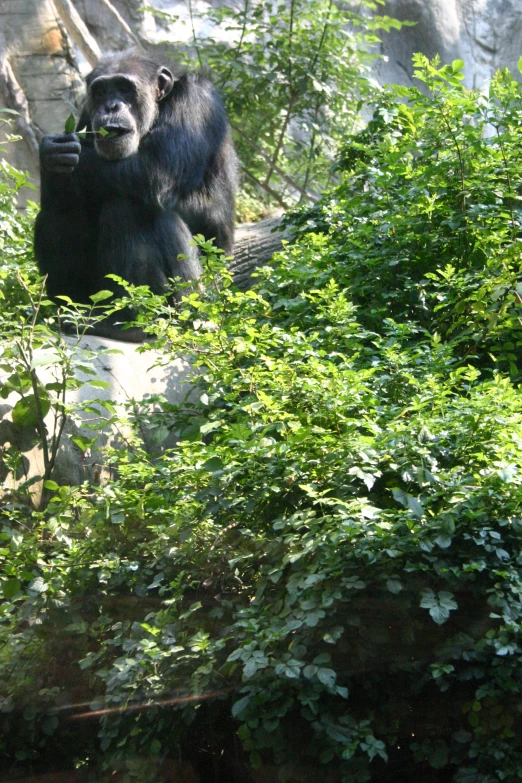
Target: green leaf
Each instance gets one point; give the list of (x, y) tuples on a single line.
[(25, 412), (210, 426), (70, 124), (10, 588), (213, 465), (38, 585), (327, 677), (439, 605), (240, 706), (44, 358), (100, 296), (312, 618), (394, 586), (82, 442), (443, 541)]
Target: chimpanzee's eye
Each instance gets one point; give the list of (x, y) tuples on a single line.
[(97, 91), (126, 89)]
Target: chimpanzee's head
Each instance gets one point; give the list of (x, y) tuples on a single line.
[(123, 93)]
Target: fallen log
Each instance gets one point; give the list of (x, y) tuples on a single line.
[(255, 244)]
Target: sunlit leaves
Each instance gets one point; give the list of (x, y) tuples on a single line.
[(292, 85)]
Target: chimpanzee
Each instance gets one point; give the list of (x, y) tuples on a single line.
[(156, 165)]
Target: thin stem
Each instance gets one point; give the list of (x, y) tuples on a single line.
[(40, 426), (292, 96), (282, 174), (57, 436), (461, 159), (239, 46), (196, 47), (323, 37), (290, 43), (508, 178), (311, 151), (281, 139)]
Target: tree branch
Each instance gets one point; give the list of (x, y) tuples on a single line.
[(276, 168), (114, 11), (78, 31)]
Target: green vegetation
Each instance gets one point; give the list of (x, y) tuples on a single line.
[(328, 566)]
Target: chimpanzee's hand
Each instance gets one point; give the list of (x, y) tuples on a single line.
[(60, 153)]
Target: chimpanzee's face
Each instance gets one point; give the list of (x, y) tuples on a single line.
[(124, 105)]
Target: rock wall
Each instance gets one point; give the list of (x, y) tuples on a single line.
[(486, 34), (37, 51)]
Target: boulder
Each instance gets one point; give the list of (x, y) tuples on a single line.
[(131, 377), (486, 34)]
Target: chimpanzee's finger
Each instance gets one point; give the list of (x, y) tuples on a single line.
[(63, 138), (62, 169), (63, 160)]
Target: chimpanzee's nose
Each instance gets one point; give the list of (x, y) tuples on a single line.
[(112, 105)]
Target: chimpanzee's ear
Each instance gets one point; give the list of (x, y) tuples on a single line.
[(165, 83)]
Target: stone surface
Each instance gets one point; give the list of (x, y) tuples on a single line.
[(44, 66), (486, 34), (132, 378)]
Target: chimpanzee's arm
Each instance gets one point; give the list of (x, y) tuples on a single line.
[(65, 235), (59, 155)]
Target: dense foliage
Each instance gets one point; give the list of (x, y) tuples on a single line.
[(328, 564)]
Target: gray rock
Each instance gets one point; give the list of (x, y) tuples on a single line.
[(486, 34), (132, 380)]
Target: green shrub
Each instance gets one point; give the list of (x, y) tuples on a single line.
[(329, 562)]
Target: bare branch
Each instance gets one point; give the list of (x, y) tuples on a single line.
[(114, 11), (14, 98), (278, 170), (271, 192), (78, 31)]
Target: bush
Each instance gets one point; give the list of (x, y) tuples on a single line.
[(329, 562)]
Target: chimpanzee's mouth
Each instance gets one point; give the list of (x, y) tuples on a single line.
[(109, 132)]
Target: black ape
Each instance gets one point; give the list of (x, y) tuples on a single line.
[(129, 201)]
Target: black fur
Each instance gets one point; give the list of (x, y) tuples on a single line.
[(108, 206)]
